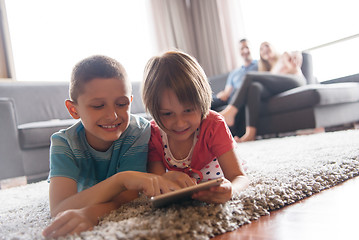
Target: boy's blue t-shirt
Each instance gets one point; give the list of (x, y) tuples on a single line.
[(72, 157)]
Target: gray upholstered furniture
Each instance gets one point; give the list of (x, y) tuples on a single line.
[(30, 112), (328, 104)]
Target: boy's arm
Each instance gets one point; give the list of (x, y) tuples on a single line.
[(62, 188), (77, 220), (63, 192)]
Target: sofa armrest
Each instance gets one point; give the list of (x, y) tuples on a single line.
[(10, 154), (349, 78)]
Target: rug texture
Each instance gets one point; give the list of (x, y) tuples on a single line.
[(282, 171)]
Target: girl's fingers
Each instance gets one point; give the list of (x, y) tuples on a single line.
[(211, 197), (218, 194)]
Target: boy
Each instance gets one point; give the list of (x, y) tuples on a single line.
[(98, 163)]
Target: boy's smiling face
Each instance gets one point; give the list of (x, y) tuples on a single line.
[(104, 109)]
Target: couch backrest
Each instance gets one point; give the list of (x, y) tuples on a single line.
[(137, 104), (37, 101), (307, 68)]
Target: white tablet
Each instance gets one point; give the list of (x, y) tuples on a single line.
[(183, 193)]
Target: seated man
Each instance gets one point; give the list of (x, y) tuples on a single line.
[(234, 81)]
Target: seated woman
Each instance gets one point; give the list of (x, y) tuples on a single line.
[(277, 73)]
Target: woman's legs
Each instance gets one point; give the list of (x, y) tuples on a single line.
[(273, 83), (229, 114), (238, 128), (256, 92), (237, 101), (256, 86)]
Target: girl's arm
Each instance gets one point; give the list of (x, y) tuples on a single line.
[(236, 180), (233, 171)]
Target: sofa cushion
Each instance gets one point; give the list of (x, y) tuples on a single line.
[(312, 95), (37, 134)]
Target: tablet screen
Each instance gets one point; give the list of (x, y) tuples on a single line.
[(183, 193)]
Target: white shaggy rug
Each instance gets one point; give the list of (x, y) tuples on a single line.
[(282, 171)]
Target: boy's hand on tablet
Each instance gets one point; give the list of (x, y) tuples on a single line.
[(180, 178), (149, 184), (218, 194)]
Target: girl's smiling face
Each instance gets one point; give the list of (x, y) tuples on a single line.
[(104, 109), (180, 121)]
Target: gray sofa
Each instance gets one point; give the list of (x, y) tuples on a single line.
[(328, 104)]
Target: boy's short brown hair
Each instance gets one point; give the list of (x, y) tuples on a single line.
[(97, 66), (181, 73)]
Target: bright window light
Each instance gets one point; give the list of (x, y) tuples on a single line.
[(304, 24), (49, 37)]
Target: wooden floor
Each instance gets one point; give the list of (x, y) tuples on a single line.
[(330, 214)]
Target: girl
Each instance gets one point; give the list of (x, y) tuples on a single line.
[(188, 140)]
